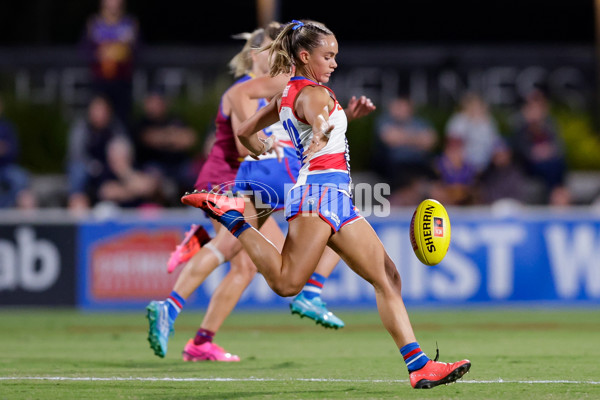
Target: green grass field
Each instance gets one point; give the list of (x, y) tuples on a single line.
[(64, 354)]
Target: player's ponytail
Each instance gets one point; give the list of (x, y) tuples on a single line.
[(241, 63)]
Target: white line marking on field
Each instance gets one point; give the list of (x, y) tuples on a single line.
[(252, 379)]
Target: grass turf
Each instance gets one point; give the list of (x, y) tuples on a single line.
[(537, 354)]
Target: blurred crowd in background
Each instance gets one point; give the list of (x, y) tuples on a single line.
[(113, 155), (149, 159), (474, 163)]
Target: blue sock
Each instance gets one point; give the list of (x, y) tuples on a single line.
[(314, 286), (234, 221), (413, 356), (175, 304)]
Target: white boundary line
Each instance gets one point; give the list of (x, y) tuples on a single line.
[(252, 379)]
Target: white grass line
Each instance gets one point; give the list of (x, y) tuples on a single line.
[(253, 379)]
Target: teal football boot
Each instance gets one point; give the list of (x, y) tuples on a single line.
[(160, 327), (315, 309)]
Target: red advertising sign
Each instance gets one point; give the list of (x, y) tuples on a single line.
[(133, 265)]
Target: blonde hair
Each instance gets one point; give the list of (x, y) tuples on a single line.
[(241, 63), (295, 36)]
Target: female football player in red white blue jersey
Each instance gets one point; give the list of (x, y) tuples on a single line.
[(267, 175), (319, 209), (270, 178)]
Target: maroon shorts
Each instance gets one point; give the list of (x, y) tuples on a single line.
[(216, 172)]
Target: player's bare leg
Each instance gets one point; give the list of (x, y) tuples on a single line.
[(288, 271), (226, 296), (222, 302), (362, 250), (308, 302), (223, 247)]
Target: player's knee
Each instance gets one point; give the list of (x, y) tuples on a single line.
[(227, 247), (287, 289), (231, 250), (245, 270)]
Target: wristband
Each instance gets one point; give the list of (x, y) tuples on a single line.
[(267, 144)]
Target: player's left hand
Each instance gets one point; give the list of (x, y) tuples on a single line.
[(360, 107)]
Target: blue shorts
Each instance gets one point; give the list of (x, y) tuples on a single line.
[(331, 205), (267, 180)]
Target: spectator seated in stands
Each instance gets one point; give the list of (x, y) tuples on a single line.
[(539, 147), (122, 184), (457, 177), (476, 128), (404, 151), (502, 179), (15, 188), (100, 152), (164, 145)]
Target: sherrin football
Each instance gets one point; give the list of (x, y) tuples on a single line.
[(430, 232)]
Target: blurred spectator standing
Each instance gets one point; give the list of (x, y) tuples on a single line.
[(540, 149), (457, 177), (109, 44), (477, 129), (164, 144), (404, 151), (15, 188), (100, 152)]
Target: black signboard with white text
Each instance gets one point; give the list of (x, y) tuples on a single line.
[(37, 264)]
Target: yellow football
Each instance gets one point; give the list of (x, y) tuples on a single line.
[(430, 232)]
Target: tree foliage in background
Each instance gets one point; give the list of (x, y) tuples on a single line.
[(42, 131), (581, 141)]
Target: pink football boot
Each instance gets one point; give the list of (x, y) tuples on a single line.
[(194, 239), (206, 352)]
